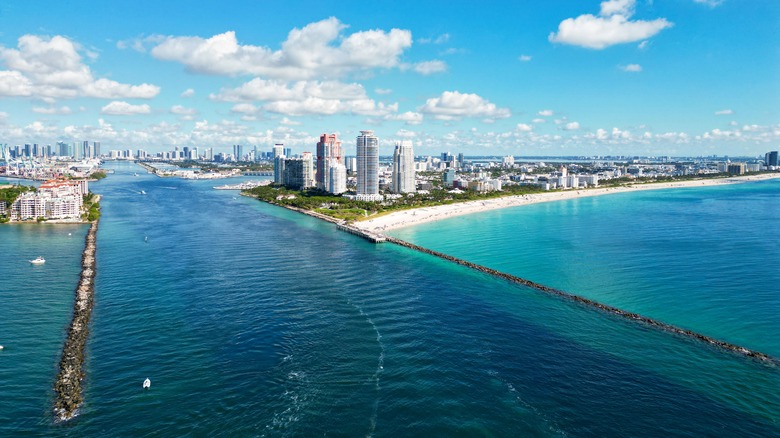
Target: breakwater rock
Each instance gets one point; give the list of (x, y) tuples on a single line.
[(68, 387), (595, 304)]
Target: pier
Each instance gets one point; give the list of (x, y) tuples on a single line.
[(595, 304), (68, 385)]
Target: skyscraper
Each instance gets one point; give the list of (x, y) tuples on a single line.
[(328, 152), (238, 152), (367, 163), (771, 158), (278, 150), (403, 167)]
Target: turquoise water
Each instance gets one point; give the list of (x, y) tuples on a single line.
[(253, 320), (706, 258)]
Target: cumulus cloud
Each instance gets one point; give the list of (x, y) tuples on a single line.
[(524, 58), (307, 97), (631, 68), (189, 92), (317, 50), (612, 26), (120, 108), (52, 68), (184, 113), (453, 105), (430, 67), (724, 112), (546, 113), (571, 126), (522, 127)]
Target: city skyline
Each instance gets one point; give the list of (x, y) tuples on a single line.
[(618, 77)]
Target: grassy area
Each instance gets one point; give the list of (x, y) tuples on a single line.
[(340, 207)]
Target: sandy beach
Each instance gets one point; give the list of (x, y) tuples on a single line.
[(421, 215)]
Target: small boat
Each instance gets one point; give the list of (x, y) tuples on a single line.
[(135, 174), (38, 261), (143, 192), (146, 238), (147, 383)]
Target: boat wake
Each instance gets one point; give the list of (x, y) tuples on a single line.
[(380, 366)]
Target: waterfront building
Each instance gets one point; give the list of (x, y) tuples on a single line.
[(771, 158), (338, 178), (403, 167), (367, 164), (54, 199), (328, 152), (299, 172), (736, 168), (508, 161), (279, 170)]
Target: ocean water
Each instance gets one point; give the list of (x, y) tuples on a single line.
[(253, 320)]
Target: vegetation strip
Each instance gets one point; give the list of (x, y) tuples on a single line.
[(68, 385), (594, 304)]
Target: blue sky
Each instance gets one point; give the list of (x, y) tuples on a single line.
[(617, 77)]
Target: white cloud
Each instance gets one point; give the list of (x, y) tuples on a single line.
[(405, 133), (184, 113), (189, 92), (611, 27), (546, 113), (307, 97), (631, 68), (409, 117), (52, 110), (51, 68), (572, 126), (524, 58), (524, 127), (453, 105), (119, 108), (244, 108), (383, 91), (724, 112), (430, 67), (307, 53), (288, 122), (538, 121), (643, 45)]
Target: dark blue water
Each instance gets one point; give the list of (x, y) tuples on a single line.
[(252, 320)]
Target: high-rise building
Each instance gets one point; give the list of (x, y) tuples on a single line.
[(279, 170), (771, 158), (338, 178), (367, 163), (328, 152), (238, 152), (298, 172), (278, 150), (287, 152), (95, 149), (85, 150), (403, 167)]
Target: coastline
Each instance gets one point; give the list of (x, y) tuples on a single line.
[(416, 216)]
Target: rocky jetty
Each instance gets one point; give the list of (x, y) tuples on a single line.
[(594, 304), (68, 385)]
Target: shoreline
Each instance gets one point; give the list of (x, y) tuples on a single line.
[(416, 216)]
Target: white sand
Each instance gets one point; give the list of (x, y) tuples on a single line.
[(421, 215)]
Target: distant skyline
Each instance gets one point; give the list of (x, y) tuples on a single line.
[(616, 77)]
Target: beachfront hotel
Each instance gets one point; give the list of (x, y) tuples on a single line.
[(368, 167), (403, 168), (330, 158)]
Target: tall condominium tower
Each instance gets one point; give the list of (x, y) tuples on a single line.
[(328, 152), (278, 150), (367, 163), (403, 167)]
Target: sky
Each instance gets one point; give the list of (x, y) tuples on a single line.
[(524, 78)]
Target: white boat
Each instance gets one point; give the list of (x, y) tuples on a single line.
[(135, 174), (38, 261), (147, 383), (143, 192)]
